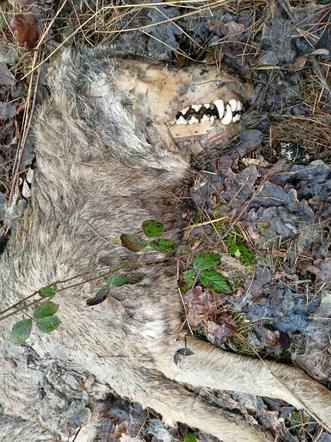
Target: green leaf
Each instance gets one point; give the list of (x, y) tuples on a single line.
[(206, 261), (49, 291), (163, 245), (243, 253), (190, 438), (215, 281), (189, 277), (21, 331), (117, 280), (133, 242), (152, 228), (45, 309), (48, 324)]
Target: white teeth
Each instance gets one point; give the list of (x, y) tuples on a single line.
[(236, 118), (183, 111), (204, 119), (220, 107), (233, 104), (193, 120), (196, 107), (239, 105), (212, 118), (181, 120), (207, 106), (228, 115)]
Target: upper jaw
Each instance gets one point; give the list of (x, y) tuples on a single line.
[(227, 111)]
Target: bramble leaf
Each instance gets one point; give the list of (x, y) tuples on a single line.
[(152, 228), (206, 261), (48, 324), (45, 309), (163, 245), (215, 281), (133, 242), (188, 279), (49, 291), (21, 331)]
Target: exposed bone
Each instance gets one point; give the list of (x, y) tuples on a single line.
[(220, 107), (181, 120), (196, 107), (228, 115), (236, 118), (233, 104), (193, 120)]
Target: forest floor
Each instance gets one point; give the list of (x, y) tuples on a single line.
[(260, 209)]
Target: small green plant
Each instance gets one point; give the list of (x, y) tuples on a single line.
[(204, 270), (43, 317), (151, 229), (239, 249), (190, 437)]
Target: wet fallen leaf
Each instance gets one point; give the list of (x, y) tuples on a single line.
[(25, 29), (200, 305), (222, 330)]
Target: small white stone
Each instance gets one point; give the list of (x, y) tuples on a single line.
[(26, 192), (228, 115), (220, 107), (183, 111), (193, 120), (29, 175), (233, 104), (196, 107), (181, 120), (236, 118), (204, 119)]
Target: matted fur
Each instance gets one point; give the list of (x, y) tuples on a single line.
[(105, 164)]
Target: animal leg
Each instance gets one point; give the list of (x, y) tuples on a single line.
[(176, 403), (211, 367)]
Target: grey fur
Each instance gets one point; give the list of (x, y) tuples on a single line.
[(102, 171)]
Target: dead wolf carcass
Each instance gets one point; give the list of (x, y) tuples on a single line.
[(107, 156)]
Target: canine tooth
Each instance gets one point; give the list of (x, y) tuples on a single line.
[(193, 120), (207, 105), (196, 107), (233, 104), (181, 120), (183, 111), (236, 118), (220, 107), (239, 105), (228, 115), (204, 119)]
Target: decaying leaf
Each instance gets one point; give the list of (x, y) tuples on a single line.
[(132, 242), (200, 304), (25, 28), (225, 327)]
